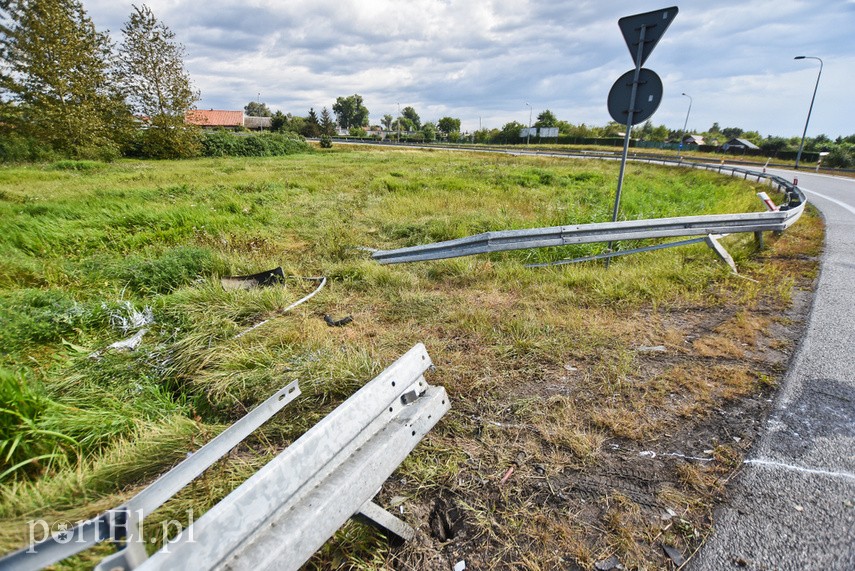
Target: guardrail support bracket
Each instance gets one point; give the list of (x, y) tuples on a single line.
[(374, 515), (715, 245)]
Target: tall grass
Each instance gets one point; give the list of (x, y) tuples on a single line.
[(81, 242)]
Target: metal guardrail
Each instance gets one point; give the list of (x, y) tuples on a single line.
[(123, 522), (505, 240), (281, 515)]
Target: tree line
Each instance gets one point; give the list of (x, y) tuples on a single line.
[(352, 115), (68, 90)]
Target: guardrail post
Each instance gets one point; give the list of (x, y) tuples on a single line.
[(758, 240)]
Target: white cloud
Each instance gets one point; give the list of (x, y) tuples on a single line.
[(487, 58)]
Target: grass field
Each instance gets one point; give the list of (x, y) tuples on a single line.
[(548, 370)]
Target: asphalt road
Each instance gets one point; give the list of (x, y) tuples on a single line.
[(793, 505)]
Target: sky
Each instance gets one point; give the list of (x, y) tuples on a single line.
[(488, 62)]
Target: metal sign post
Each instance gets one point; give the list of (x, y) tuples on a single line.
[(641, 32)]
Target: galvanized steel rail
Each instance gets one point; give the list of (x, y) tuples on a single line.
[(504, 240), (280, 516), (123, 522), (287, 510)]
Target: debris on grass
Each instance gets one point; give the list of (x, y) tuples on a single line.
[(262, 279), (337, 322), (129, 344), (127, 318)]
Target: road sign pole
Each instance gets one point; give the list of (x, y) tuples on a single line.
[(633, 93)]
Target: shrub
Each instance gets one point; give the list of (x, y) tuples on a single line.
[(17, 149), (224, 143), (326, 142), (839, 157)]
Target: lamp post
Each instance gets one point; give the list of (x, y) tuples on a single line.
[(528, 133), (686, 123), (399, 122), (802, 145)]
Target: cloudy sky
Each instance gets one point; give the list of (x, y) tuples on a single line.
[(483, 61)]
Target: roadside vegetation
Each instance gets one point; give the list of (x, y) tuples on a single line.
[(565, 374)]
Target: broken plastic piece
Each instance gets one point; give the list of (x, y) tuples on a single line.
[(262, 279), (338, 322)]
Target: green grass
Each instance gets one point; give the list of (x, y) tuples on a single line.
[(83, 245)]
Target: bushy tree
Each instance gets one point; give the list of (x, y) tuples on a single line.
[(350, 111), (387, 122), (278, 121), (158, 88), (257, 109), (449, 125), (510, 132), (546, 119), (404, 124), (55, 70), (411, 114), (429, 132), (839, 157)]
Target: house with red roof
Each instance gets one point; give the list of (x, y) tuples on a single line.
[(214, 118)]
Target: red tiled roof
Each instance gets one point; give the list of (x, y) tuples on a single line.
[(214, 118)]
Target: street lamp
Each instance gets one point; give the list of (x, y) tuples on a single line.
[(528, 133), (399, 122), (683, 136), (802, 145)]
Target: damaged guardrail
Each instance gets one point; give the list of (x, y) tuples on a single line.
[(505, 240), (281, 515)]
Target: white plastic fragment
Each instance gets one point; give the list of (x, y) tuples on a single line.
[(460, 565)]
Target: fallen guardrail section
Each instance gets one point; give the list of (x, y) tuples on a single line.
[(287, 510), (709, 226)]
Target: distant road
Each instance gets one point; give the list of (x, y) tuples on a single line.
[(793, 506)]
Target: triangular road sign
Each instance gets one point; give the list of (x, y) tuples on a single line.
[(655, 23)]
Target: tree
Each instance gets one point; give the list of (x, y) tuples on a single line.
[(405, 124), (429, 132), (278, 122), (732, 132), (312, 127), (411, 114), (350, 111), (449, 125), (546, 119), (257, 109), (156, 85), (55, 72), (510, 132), (387, 122), (327, 124)]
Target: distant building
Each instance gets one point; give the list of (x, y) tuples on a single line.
[(257, 123), (215, 119), (739, 144), (693, 140)]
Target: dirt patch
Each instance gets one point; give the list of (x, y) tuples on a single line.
[(595, 466)]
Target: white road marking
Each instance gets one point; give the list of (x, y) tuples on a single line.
[(828, 198), (792, 468)]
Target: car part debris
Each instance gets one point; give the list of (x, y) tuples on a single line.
[(262, 279), (129, 344), (284, 310), (338, 322)]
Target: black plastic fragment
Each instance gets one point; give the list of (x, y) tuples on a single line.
[(337, 322)]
